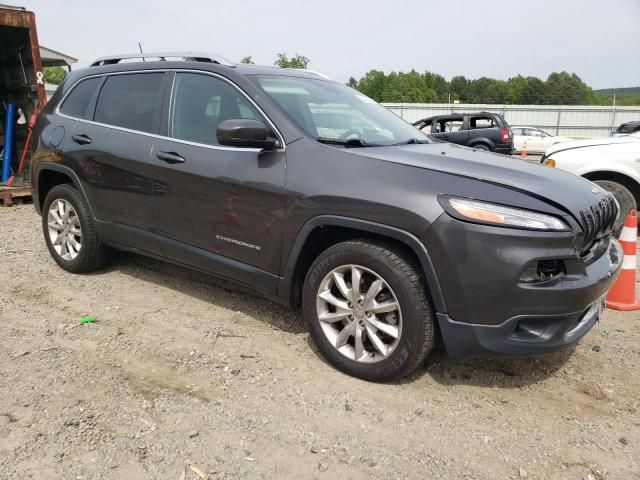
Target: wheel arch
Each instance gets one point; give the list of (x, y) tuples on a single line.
[(484, 141), (323, 231), (51, 174), (623, 179)]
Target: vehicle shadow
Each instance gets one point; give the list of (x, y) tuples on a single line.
[(494, 373), (206, 288)]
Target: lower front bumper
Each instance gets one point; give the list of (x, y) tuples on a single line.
[(519, 336)]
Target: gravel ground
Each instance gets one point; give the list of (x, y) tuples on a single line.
[(181, 373)]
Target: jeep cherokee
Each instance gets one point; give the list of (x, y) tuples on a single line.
[(316, 196)]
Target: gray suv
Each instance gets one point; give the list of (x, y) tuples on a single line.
[(316, 196)]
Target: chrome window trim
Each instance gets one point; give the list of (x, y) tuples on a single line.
[(163, 137)]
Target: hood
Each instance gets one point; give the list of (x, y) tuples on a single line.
[(558, 187), (592, 142)]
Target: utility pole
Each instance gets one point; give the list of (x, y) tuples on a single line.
[(613, 115)]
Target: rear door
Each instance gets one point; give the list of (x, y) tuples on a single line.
[(222, 207), (451, 129), (483, 127), (112, 147)]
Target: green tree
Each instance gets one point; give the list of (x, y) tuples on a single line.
[(248, 59), (297, 61), (534, 92), (567, 89), (407, 88), (54, 75), (372, 84), (516, 87), (353, 83), (459, 87), (438, 84)]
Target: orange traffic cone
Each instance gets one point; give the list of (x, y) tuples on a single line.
[(622, 295), (523, 152)]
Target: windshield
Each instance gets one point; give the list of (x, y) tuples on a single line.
[(337, 114)]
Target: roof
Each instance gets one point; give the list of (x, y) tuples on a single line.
[(52, 58)]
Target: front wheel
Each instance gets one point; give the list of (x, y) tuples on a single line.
[(367, 310)]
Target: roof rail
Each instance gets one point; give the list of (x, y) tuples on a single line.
[(312, 72), (162, 56)]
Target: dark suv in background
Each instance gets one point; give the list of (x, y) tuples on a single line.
[(482, 130), (313, 194)]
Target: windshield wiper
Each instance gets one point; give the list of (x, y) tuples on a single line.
[(411, 141), (350, 143)]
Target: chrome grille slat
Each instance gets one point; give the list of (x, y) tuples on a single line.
[(598, 220)]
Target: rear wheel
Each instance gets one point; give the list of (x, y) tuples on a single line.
[(623, 196), (367, 310), (70, 232), (481, 146)]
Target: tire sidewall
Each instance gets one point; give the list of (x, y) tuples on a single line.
[(70, 194), (413, 331), (619, 191)]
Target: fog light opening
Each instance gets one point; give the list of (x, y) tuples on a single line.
[(542, 271)]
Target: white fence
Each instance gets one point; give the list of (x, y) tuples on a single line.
[(576, 120)]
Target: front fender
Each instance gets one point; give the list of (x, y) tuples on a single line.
[(410, 240)]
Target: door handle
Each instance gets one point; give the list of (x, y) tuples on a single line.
[(81, 139), (170, 157)]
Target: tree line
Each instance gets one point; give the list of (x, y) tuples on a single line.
[(560, 88)]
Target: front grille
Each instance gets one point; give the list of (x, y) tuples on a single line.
[(598, 220)]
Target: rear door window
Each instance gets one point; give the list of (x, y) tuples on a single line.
[(131, 101), (77, 102), (449, 125)]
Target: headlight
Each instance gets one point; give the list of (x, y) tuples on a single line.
[(492, 214), (549, 162)]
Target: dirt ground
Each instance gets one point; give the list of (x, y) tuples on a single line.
[(180, 371)]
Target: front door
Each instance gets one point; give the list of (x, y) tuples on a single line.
[(222, 207)]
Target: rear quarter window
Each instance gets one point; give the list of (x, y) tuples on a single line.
[(77, 102), (131, 101), (482, 122)]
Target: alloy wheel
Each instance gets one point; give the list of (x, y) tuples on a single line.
[(359, 313), (65, 232)]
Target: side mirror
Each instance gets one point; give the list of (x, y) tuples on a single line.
[(245, 133)]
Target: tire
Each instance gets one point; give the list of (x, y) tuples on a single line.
[(91, 254), (625, 199), (388, 357), (481, 146)]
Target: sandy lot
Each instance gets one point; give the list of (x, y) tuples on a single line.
[(181, 371)]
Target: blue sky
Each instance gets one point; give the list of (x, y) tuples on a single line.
[(495, 38)]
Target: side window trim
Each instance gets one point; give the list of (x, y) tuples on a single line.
[(91, 108), (166, 103), (57, 111)]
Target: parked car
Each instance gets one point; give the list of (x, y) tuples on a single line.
[(482, 130), (612, 163), (534, 139), (383, 236), (626, 129)]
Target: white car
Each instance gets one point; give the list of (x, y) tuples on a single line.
[(534, 140), (612, 163)]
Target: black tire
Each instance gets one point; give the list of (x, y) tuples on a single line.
[(93, 254), (417, 335), (625, 199), (481, 146)]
